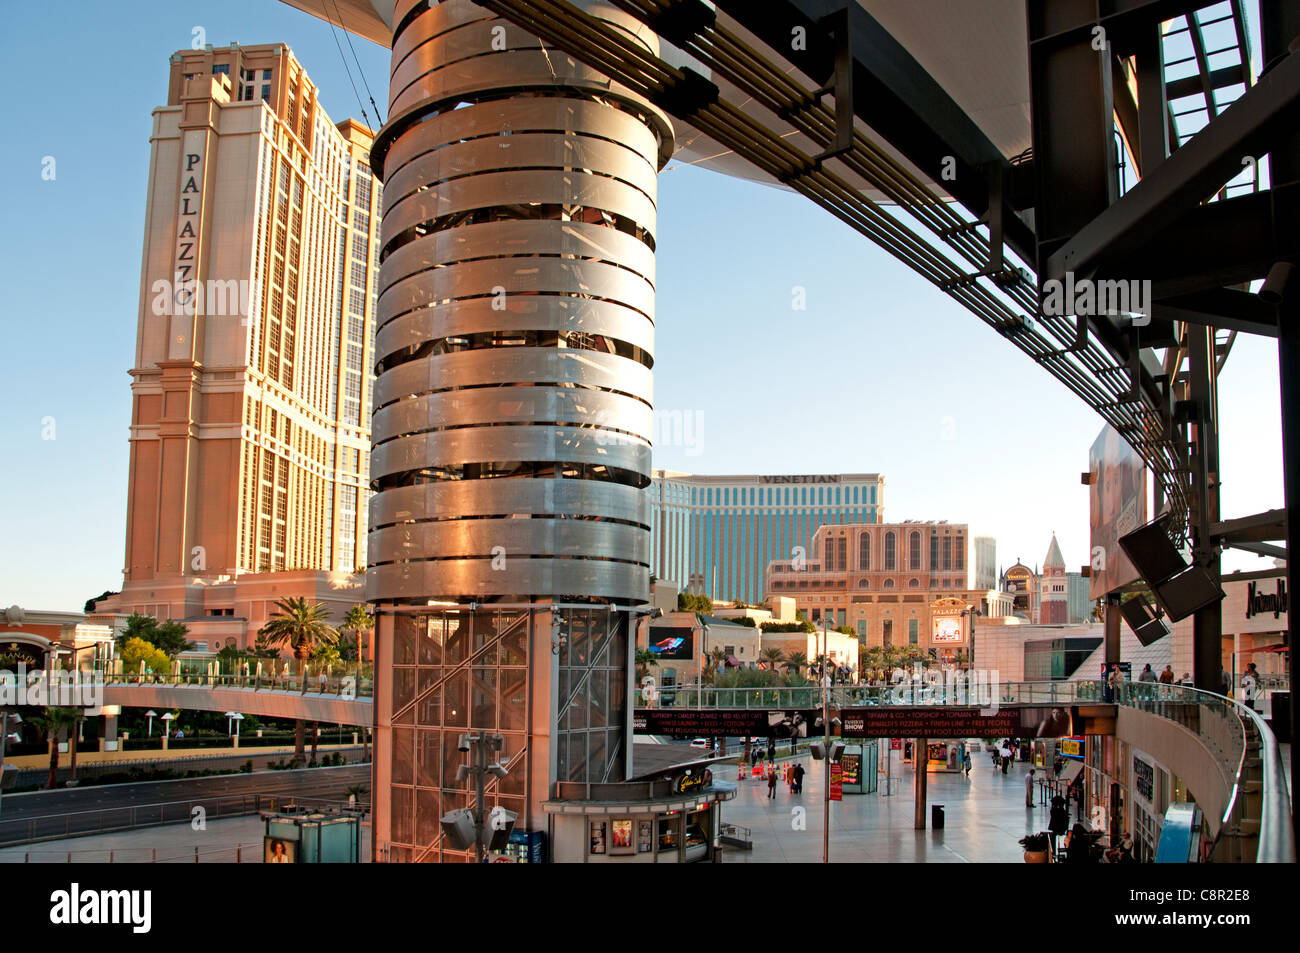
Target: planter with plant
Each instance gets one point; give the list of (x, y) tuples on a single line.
[(1037, 847)]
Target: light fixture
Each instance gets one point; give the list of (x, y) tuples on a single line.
[(458, 828)]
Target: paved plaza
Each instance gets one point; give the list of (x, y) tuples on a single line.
[(985, 816)]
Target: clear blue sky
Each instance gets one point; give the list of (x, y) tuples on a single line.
[(880, 373)]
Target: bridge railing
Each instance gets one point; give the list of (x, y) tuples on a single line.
[(908, 692), (342, 680), (1256, 824)]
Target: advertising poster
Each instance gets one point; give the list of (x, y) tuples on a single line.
[(621, 835), (1117, 506), (275, 850), (837, 781)]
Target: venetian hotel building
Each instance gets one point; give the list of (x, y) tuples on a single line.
[(717, 534), (250, 421)]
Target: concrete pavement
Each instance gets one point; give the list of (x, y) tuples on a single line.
[(985, 816)]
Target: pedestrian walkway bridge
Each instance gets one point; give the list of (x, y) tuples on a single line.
[(337, 695)]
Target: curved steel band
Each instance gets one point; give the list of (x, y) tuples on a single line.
[(519, 200), (465, 499)]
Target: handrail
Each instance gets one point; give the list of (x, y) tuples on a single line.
[(1276, 841), (347, 682), (1276, 828)]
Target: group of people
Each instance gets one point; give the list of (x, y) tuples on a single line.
[(1003, 755), (793, 776), (1164, 678)]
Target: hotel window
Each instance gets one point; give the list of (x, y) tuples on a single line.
[(862, 628), (864, 552), (961, 550), (842, 548), (864, 584), (947, 552), (891, 547), (221, 69), (913, 636), (914, 551), (889, 584), (934, 551), (913, 583)]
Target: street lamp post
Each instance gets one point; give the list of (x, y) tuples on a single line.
[(826, 729), (484, 746), (151, 715), (6, 719)]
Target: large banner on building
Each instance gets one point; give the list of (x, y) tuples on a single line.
[(1039, 721), (729, 722), (1118, 505)]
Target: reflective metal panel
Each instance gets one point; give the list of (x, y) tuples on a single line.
[(515, 314)]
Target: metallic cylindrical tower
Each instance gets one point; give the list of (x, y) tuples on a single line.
[(515, 318), (513, 412)]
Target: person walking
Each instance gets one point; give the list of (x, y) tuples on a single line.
[(1147, 675), (1250, 687), (965, 761), (1029, 788), (771, 782), (798, 778), (1167, 676), (1006, 758)]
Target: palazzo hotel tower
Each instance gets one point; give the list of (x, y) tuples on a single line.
[(252, 385)]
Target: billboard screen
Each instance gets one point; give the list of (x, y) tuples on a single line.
[(1117, 505), (947, 629), (666, 643)]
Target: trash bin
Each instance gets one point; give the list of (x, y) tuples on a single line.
[(936, 816)]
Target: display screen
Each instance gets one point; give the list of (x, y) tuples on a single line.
[(671, 643), (947, 630)]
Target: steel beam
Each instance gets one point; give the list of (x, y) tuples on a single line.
[(1221, 308), (1228, 242), (1279, 29), (1207, 624), (1248, 127), (892, 94)]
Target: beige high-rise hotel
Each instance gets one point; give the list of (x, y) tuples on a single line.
[(253, 372)]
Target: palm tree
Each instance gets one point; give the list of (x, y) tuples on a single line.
[(54, 721), (299, 626), (771, 658), (796, 662), (716, 658), (644, 659), (358, 619)]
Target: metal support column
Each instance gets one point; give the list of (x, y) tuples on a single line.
[(1113, 622), (920, 765), (1279, 28), (1207, 624)]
